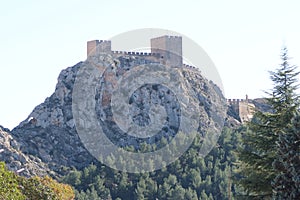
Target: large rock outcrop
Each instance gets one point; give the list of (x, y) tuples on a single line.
[(17, 161), (49, 132)]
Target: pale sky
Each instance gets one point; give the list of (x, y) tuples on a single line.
[(38, 40)]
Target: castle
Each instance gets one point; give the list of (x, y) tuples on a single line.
[(167, 50), (243, 108)]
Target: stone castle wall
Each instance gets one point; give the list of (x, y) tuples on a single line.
[(242, 107), (97, 46), (155, 57), (165, 49), (170, 49)]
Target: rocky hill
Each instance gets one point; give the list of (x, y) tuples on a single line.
[(49, 134), (16, 160)]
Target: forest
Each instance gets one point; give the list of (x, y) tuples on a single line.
[(259, 159), (189, 177)]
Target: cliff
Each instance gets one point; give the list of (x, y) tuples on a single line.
[(16, 160), (49, 133)]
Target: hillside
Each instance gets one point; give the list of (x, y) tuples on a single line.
[(16, 160), (47, 142), (49, 132)]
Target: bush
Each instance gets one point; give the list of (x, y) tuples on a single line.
[(17, 187)]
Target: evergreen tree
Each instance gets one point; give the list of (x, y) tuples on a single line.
[(104, 193), (191, 177), (92, 194), (287, 183), (203, 195), (177, 193), (259, 140), (190, 194)]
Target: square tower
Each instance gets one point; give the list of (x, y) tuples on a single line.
[(169, 48), (95, 47)]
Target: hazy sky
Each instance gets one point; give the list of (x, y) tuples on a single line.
[(39, 39)]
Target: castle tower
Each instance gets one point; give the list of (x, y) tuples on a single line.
[(170, 49), (98, 46)]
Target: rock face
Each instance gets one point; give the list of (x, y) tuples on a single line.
[(26, 165), (49, 132)]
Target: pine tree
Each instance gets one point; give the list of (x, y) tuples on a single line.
[(203, 195), (287, 183), (259, 146), (190, 194)]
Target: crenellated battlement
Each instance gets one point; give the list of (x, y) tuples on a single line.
[(169, 36), (165, 49), (95, 47), (235, 101), (190, 67), (135, 53), (104, 41), (170, 49), (243, 107), (154, 57)]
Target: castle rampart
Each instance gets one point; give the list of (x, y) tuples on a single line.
[(95, 47), (243, 107), (165, 49), (170, 49), (235, 101)]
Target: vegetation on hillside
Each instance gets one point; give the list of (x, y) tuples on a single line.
[(14, 187), (269, 157), (258, 160), (189, 177)]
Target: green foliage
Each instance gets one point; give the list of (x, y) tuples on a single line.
[(252, 156), (189, 177), (259, 146), (255, 163), (17, 187), (287, 182), (9, 187), (33, 189)]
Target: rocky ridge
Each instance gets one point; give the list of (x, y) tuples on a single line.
[(49, 134), (17, 161)]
